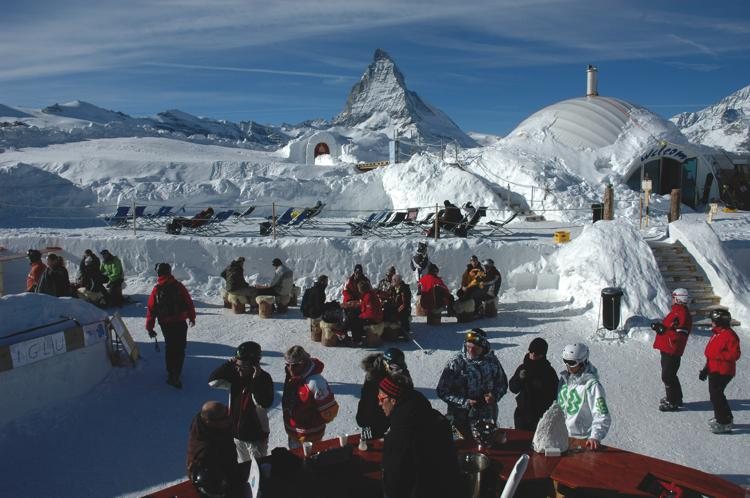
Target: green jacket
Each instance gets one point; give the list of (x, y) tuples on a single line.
[(112, 269)]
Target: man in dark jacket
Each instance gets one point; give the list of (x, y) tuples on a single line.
[(251, 394), (55, 280), (171, 304), (210, 446), (535, 385), (370, 417), (314, 298), (235, 283), (400, 297), (419, 456)]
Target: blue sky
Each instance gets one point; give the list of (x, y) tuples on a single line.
[(488, 65)]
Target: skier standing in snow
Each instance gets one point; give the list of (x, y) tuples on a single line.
[(671, 337), (722, 353), (419, 261), (308, 403), (581, 397), (35, 271), (251, 394), (170, 304), (377, 366), (472, 383), (535, 385)]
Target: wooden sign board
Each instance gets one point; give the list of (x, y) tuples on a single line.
[(124, 335)]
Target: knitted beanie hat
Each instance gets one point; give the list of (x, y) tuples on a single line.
[(538, 346), (391, 388)]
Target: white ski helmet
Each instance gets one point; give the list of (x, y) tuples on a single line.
[(681, 296), (577, 352)]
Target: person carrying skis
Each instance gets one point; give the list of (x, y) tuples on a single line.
[(671, 337), (581, 397), (472, 383), (170, 304), (722, 353), (250, 395), (377, 366), (535, 386)]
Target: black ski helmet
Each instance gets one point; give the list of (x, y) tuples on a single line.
[(248, 351), (394, 355), (209, 480), (34, 255), (721, 317)]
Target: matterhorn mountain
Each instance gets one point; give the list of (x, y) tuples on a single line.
[(725, 125), (381, 101)]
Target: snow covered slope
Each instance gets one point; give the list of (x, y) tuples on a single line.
[(725, 125)]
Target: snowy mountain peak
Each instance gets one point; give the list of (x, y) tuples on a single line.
[(725, 124), (381, 100), (78, 109)]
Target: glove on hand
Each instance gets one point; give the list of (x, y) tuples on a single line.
[(152, 333), (703, 374), (657, 327), (522, 374)]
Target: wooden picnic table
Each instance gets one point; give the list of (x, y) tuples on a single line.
[(605, 472)]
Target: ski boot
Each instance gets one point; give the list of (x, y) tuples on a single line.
[(718, 428), (668, 406)]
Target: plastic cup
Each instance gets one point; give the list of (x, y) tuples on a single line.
[(307, 448), (343, 440)]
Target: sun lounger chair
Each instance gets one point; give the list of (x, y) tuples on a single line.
[(388, 226), (359, 227), (157, 218), (498, 227), (244, 216), (120, 218), (212, 226), (468, 228)]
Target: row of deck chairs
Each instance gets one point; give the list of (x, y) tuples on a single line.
[(293, 220), (123, 216)]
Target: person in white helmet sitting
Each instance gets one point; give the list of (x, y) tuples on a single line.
[(581, 397), (671, 337)]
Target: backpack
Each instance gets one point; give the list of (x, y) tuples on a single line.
[(167, 301)]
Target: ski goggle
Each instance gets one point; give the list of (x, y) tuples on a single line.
[(474, 337), (571, 363)]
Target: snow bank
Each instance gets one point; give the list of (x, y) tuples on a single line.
[(613, 254)]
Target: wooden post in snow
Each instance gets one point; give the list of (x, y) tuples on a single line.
[(609, 203), (675, 199), (273, 219), (437, 225)]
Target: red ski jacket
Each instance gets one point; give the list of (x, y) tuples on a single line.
[(308, 403), (722, 351), (677, 324), (370, 307), (188, 309)]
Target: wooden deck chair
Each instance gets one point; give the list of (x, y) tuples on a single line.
[(120, 218), (498, 227), (312, 215)]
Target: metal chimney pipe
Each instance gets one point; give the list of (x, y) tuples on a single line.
[(591, 81)]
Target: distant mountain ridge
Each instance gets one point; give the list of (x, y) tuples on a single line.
[(725, 124), (380, 99)]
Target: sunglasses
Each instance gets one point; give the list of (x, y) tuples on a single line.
[(571, 363)]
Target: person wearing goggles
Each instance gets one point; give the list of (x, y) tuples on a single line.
[(377, 366), (251, 394), (472, 383), (580, 394)]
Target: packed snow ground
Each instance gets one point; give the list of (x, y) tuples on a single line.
[(128, 434)]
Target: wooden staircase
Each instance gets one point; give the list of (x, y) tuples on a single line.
[(679, 269)]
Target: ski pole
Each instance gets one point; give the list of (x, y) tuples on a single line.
[(156, 344), (418, 345)]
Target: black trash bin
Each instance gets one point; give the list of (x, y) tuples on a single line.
[(597, 210), (611, 298)]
